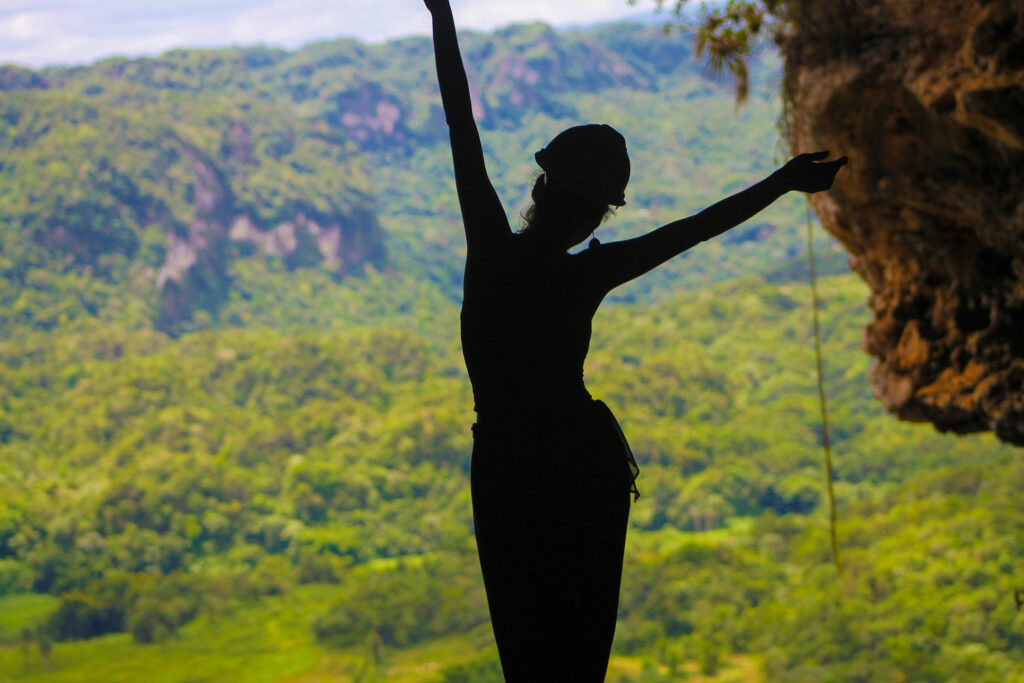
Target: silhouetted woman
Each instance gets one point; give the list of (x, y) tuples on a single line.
[(551, 472)]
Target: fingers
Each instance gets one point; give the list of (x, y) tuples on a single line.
[(821, 156), (834, 166), (809, 172)]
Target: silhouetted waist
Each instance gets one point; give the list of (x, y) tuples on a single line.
[(532, 414), (586, 422)]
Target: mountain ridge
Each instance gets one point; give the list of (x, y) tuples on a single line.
[(167, 171)]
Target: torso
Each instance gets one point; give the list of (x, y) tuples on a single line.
[(526, 326)]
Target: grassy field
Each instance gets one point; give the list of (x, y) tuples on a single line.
[(271, 641), (20, 611)]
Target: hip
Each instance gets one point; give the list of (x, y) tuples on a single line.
[(583, 449)]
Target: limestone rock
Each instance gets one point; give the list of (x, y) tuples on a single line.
[(927, 99)]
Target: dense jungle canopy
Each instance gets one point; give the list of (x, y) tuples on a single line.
[(234, 419)]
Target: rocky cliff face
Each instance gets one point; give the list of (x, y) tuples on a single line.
[(927, 99), (194, 273), (111, 171)]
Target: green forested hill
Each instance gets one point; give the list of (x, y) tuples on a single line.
[(169, 192), (224, 466), (259, 471)]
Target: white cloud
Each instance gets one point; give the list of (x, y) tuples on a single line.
[(76, 31), (486, 15), (29, 25)]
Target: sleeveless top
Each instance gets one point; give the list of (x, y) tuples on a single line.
[(526, 327)]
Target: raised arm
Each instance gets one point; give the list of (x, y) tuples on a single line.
[(482, 214), (619, 262)]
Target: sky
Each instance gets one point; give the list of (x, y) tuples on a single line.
[(42, 32)]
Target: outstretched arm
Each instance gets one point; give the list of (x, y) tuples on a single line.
[(482, 214), (619, 262)]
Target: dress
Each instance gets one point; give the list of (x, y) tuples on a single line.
[(551, 473)]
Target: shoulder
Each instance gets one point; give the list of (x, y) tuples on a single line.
[(589, 257), (588, 264), (496, 247)]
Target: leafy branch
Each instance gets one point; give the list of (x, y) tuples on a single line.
[(803, 31), (726, 35)]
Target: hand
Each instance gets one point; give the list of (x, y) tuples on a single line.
[(435, 5), (809, 173)]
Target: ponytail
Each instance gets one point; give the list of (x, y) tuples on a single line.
[(540, 187)]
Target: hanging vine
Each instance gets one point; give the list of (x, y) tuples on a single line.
[(826, 445)]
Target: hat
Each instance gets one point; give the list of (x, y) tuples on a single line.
[(591, 159)]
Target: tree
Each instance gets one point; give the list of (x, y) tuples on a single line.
[(726, 35)]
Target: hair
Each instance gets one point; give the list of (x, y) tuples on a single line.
[(542, 197)]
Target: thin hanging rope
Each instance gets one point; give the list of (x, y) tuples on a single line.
[(821, 400)]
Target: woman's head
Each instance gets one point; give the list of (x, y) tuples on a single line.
[(585, 172)]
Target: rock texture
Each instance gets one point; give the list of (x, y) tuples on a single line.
[(927, 98), (194, 273)]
